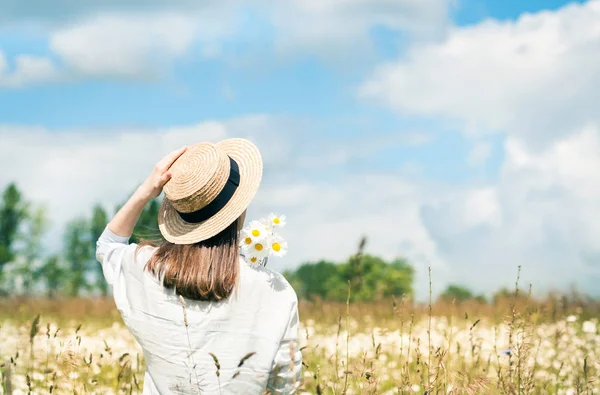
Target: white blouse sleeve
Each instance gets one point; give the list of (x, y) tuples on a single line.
[(286, 374), (116, 256), (110, 251)]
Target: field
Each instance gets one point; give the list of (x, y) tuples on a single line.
[(515, 346)]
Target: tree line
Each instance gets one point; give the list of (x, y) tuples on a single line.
[(368, 278), (72, 270)]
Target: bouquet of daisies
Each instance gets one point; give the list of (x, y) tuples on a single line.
[(260, 239)]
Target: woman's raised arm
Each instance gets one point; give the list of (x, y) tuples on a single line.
[(125, 219)]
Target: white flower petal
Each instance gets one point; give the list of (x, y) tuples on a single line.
[(277, 220), (278, 246)]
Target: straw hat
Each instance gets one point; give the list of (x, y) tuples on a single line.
[(210, 187)]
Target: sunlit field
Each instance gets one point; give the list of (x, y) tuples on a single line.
[(514, 346)]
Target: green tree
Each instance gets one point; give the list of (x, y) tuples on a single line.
[(371, 278), (30, 256), (13, 212), (52, 273), (77, 254), (456, 292), (310, 279), (399, 278), (379, 279), (97, 225)]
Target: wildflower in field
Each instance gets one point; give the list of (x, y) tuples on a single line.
[(589, 327), (560, 362), (571, 318)]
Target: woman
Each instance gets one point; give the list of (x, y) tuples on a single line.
[(208, 321)]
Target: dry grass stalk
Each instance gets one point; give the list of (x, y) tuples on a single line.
[(241, 363), (7, 378), (347, 367), (429, 333), (190, 350)]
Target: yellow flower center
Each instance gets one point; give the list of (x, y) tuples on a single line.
[(248, 240), (276, 247), (276, 221), (258, 247), (253, 259), (255, 232)]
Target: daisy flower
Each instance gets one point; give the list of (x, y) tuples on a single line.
[(258, 249), (253, 259), (278, 246), (260, 239), (246, 239), (257, 230), (276, 220)]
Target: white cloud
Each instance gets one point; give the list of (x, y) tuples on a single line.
[(535, 80), (343, 27), (416, 139), (539, 214), (355, 150), (113, 45), (479, 153), (141, 41), (536, 77), (27, 70)]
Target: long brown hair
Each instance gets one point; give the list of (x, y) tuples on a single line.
[(207, 270)]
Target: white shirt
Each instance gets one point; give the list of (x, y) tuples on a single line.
[(261, 317)]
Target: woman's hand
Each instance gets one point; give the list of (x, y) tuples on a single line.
[(125, 219), (153, 185)]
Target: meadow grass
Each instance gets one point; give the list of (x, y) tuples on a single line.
[(516, 345)]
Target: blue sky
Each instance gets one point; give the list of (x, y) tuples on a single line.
[(447, 110), (473, 11)]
